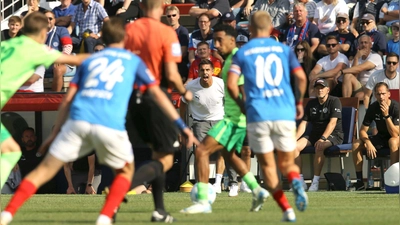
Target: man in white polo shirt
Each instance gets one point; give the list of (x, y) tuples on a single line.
[(328, 67)]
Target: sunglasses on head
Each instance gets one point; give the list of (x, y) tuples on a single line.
[(341, 21), (300, 49), (172, 15), (365, 22), (391, 63), (331, 45)]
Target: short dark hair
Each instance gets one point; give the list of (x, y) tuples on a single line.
[(28, 129), (378, 85), (330, 37), (203, 43), (113, 31), (206, 62), (34, 23), (229, 30), (392, 54), (204, 14)]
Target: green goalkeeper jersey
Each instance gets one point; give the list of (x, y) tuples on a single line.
[(19, 58)]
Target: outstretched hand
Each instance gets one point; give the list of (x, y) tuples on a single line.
[(190, 138)]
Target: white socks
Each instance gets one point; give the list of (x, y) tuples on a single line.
[(316, 179), (218, 178)]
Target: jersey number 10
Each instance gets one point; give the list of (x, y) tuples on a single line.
[(264, 71)]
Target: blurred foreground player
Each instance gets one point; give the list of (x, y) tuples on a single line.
[(19, 58), (96, 102), (266, 66)]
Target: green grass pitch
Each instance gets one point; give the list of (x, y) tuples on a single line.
[(336, 208)]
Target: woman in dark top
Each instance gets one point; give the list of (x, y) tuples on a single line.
[(306, 59)]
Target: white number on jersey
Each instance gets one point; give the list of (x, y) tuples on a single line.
[(101, 71), (263, 70)]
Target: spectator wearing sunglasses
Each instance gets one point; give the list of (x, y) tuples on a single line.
[(173, 16), (325, 14), (328, 67), (369, 28), (306, 60), (345, 37), (389, 75)]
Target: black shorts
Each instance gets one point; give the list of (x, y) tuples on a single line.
[(379, 141), (337, 90), (335, 139), (151, 124)]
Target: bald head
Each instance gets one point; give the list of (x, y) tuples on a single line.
[(152, 4), (260, 24)]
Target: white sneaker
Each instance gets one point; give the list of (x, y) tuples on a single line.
[(314, 186), (244, 188), (5, 218), (289, 216), (217, 188), (233, 190)]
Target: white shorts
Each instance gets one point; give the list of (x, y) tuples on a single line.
[(266, 136), (78, 138)]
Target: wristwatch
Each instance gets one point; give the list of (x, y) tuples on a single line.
[(89, 185), (323, 138), (386, 117)]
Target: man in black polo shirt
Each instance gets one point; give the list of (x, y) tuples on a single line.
[(385, 113), (325, 114)]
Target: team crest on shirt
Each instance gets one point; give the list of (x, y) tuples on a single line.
[(217, 70), (325, 110), (176, 49)]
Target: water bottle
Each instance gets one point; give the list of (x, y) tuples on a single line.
[(370, 180), (348, 181)]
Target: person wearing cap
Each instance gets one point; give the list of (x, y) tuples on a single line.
[(241, 40), (367, 6), (325, 14), (325, 114), (393, 44), (346, 38), (328, 66), (385, 112), (229, 19), (364, 64), (378, 38)]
